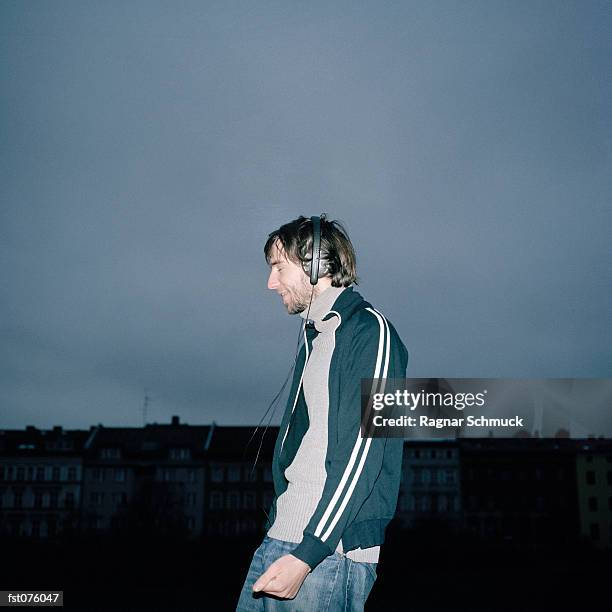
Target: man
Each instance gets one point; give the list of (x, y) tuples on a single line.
[(335, 491)]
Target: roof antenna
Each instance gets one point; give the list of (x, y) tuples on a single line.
[(145, 407)]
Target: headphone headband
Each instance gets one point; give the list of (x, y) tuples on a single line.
[(316, 250)]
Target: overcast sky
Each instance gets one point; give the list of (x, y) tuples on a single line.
[(148, 148)]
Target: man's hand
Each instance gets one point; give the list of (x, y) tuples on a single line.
[(283, 578)]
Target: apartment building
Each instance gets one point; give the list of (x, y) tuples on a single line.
[(150, 477), (520, 489), (239, 489), (594, 483), (40, 481), (430, 487)]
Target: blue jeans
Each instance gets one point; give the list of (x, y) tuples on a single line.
[(337, 583)]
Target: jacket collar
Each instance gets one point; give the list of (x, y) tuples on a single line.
[(334, 301), (323, 304)]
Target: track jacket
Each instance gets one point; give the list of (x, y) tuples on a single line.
[(363, 474)]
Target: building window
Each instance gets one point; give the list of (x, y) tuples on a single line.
[(38, 499), (425, 503), (233, 473), (216, 500), (40, 473), (216, 474), (18, 498), (96, 498), (119, 474), (97, 474), (20, 473), (410, 502), (249, 500), (456, 503), (180, 454), (55, 473), (426, 476), (442, 503), (594, 529), (590, 477), (165, 474), (53, 498), (593, 504), (233, 500), (446, 476), (30, 472), (250, 474), (191, 475), (72, 473), (110, 453), (69, 499), (267, 475), (120, 499)]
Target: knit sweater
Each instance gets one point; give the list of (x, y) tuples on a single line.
[(306, 475)]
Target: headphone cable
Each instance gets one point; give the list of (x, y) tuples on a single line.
[(274, 402)]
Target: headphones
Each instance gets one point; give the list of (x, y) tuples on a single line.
[(316, 250)]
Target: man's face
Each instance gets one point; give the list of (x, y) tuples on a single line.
[(289, 280)]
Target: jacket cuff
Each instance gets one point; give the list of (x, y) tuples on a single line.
[(311, 550)]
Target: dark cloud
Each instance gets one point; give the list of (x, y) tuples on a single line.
[(148, 149)]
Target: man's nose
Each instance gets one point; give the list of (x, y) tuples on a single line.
[(272, 280)]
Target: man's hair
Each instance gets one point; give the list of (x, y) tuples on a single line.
[(337, 254)]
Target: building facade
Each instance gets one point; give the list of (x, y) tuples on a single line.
[(216, 481)]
